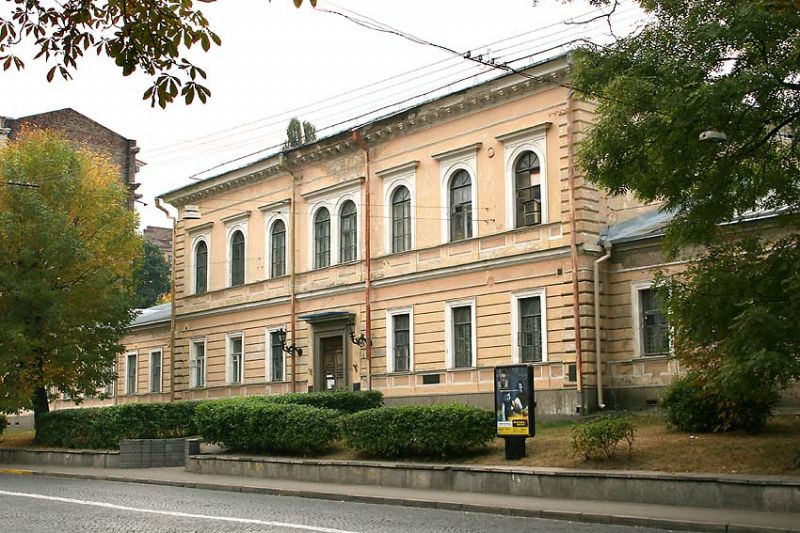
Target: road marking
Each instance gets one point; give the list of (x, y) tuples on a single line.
[(176, 514), (16, 471)]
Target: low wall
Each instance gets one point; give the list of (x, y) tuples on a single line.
[(772, 494), (60, 457), (151, 453)]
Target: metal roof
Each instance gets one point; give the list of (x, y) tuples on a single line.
[(646, 225), (153, 315)]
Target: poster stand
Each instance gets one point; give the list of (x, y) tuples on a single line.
[(514, 408)]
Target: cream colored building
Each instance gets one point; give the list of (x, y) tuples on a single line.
[(454, 236)]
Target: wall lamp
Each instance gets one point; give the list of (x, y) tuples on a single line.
[(360, 341), (291, 349)]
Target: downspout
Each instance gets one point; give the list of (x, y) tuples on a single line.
[(598, 350), (359, 139), (172, 303), (292, 273), (573, 242)]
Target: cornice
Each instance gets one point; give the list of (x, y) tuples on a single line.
[(525, 133), (199, 228), (244, 215), (458, 153), (225, 182), (405, 168), (333, 189), (274, 206)]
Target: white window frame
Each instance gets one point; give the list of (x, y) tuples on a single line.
[(390, 314), (229, 358), (110, 388), (206, 238), (336, 223), (267, 355), (533, 139), (136, 375), (234, 224), (160, 352), (401, 176), (450, 162), (313, 235), (448, 338), (270, 220), (193, 361), (541, 293), (636, 314), (333, 198)]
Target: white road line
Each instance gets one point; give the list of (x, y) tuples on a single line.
[(177, 514)]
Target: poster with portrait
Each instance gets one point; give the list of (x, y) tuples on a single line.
[(514, 401)]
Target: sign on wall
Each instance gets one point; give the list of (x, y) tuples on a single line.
[(514, 401)]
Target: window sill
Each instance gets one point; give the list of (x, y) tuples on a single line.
[(658, 357), (401, 373), (462, 369)]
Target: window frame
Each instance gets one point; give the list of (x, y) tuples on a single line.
[(268, 374), (516, 316), (516, 189), (465, 158), (636, 317), (340, 229), (193, 359), (206, 238), (449, 337), (402, 175), (532, 139), (270, 252), (316, 265), (390, 355), (231, 234), (472, 217), (392, 220), (160, 352), (128, 356), (229, 338)]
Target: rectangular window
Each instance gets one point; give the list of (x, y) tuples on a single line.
[(401, 325), (530, 330), (276, 356), (108, 388), (197, 364), (155, 371), (462, 336), (653, 326), (235, 346), (130, 374)]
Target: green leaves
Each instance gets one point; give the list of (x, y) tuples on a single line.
[(601, 436)]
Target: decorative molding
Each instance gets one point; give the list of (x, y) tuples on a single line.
[(201, 228), (533, 131), (238, 217), (334, 189), (404, 169), (457, 153), (274, 206)]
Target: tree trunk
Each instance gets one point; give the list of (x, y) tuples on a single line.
[(40, 406)]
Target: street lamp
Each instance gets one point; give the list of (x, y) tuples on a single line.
[(290, 349), (360, 341)]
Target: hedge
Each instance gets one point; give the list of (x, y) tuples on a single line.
[(343, 401), (601, 436), (255, 425), (105, 427), (3, 423), (442, 430)]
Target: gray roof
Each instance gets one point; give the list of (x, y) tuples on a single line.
[(646, 225), (153, 315)]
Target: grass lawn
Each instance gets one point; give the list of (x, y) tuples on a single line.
[(16, 438)]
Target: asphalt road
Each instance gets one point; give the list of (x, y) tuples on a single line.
[(34, 504)]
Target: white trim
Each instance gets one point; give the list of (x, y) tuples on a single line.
[(532, 139), (267, 349), (193, 359), (335, 190), (312, 213), (390, 314), (449, 355), (233, 228), (391, 182), (449, 162), (229, 358), (237, 218), (269, 220), (160, 352), (636, 315), (136, 375), (206, 238), (337, 217), (540, 293)]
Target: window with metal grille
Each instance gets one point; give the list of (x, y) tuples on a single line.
[(278, 249), (130, 383), (460, 206), (401, 220), (347, 232), (530, 330), (276, 356), (528, 190), (237, 259), (322, 239), (155, 371), (653, 324), (402, 342), (236, 359), (201, 267), (462, 337), (197, 365)]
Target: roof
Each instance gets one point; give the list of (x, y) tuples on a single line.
[(153, 315), (646, 225)]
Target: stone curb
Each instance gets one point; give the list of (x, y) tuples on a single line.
[(591, 518)]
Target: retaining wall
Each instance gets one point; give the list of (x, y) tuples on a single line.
[(60, 457), (770, 494)]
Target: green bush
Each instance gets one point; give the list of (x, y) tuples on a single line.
[(105, 427), (601, 436), (256, 425), (695, 403), (343, 401), (3, 423), (442, 430)]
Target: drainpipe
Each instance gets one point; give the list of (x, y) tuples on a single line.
[(293, 271), (359, 139), (172, 305), (598, 350), (573, 242)]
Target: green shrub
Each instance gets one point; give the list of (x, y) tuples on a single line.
[(3, 423), (343, 401), (695, 403), (256, 425), (105, 427), (442, 430), (601, 436)]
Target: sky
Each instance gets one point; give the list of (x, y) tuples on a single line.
[(277, 61)]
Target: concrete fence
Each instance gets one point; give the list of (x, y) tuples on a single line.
[(771, 493)]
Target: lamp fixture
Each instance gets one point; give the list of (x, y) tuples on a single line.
[(290, 349), (361, 340)]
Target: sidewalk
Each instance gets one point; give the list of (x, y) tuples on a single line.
[(595, 511)]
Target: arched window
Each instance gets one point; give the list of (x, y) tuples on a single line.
[(237, 258), (322, 238), (201, 267), (347, 232), (460, 206), (527, 190), (278, 249), (401, 220)]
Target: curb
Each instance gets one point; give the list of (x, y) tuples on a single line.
[(590, 518)]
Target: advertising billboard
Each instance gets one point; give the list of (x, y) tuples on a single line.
[(514, 401)]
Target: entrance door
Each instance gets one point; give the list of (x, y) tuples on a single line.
[(332, 364)]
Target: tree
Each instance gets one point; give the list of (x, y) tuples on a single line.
[(153, 36), (68, 248), (298, 134), (152, 276), (731, 68)]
